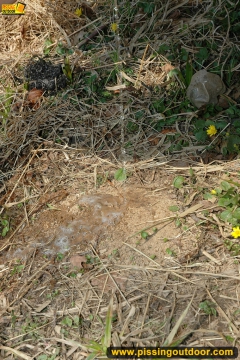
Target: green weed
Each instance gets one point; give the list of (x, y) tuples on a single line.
[(120, 175), (5, 226), (170, 252), (47, 46), (208, 307), (97, 349), (18, 268)]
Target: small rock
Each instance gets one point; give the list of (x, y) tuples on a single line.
[(205, 88)]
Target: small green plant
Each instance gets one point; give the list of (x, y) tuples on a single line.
[(178, 182), (97, 349), (47, 357), (31, 327), (92, 259), (5, 226), (17, 268), (72, 275), (53, 294), (114, 254), (144, 235), (232, 247), (202, 55), (67, 69), (120, 175), (174, 208), (47, 46), (189, 72), (67, 321), (208, 307), (236, 312), (178, 223), (60, 256), (229, 338), (170, 252), (228, 197), (62, 50)]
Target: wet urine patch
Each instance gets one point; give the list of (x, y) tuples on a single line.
[(104, 220), (97, 213)]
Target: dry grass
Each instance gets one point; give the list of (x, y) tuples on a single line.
[(45, 310)]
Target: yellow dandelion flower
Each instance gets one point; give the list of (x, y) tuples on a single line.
[(236, 232), (78, 12), (114, 27), (211, 130), (213, 192)]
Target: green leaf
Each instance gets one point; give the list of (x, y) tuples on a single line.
[(226, 216), (236, 214), (224, 201), (225, 185), (94, 346), (176, 327), (47, 45), (208, 307), (5, 231), (189, 73), (91, 356), (178, 182), (42, 357), (60, 49), (178, 223), (229, 338), (120, 175), (108, 327), (76, 320), (207, 196), (67, 69), (233, 140), (173, 208), (201, 135), (173, 72), (144, 234), (191, 172), (202, 55), (67, 321), (169, 252), (5, 222)]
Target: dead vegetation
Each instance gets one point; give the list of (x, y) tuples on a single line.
[(60, 150)]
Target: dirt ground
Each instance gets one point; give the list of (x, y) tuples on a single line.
[(84, 242), (104, 218)]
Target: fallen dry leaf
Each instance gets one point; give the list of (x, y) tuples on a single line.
[(34, 97), (167, 68), (77, 260), (154, 140), (174, 14)]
